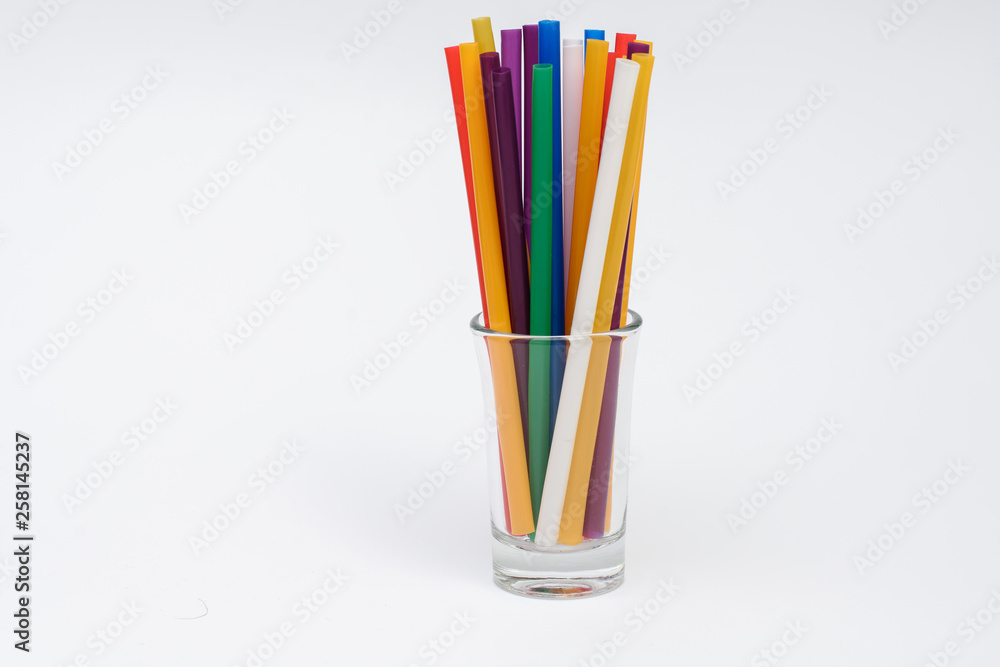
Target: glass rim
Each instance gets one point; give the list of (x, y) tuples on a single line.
[(630, 329)]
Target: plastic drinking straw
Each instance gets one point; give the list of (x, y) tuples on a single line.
[(512, 458), (548, 52), (599, 483), (453, 59), (578, 357), (510, 56), (512, 229), (620, 314), (588, 154), (511, 209), (530, 33), (482, 179), (515, 467), (458, 99), (571, 522), (572, 92), (627, 277), (599, 495), (588, 35), (541, 290), (623, 199), (482, 32), (578, 482), (621, 46), (637, 47), (487, 63)]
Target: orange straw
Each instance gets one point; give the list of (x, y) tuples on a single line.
[(451, 54), (513, 457)]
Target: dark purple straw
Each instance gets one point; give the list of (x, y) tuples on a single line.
[(530, 33)]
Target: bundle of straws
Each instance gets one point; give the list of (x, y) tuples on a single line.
[(552, 155)]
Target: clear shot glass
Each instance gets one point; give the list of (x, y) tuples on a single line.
[(558, 468)]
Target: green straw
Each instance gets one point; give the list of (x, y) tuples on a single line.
[(541, 281)]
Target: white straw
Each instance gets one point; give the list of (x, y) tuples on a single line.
[(578, 357), (572, 72)]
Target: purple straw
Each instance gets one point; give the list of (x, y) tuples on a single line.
[(510, 56), (600, 471), (510, 207), (636, 47), (604, 448), (487, 63)]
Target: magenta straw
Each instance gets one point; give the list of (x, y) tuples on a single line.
[(530, 33)]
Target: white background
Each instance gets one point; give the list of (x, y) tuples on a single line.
[(355, 119)]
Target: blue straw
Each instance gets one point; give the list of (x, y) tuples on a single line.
[(590, 34), (548, 52)]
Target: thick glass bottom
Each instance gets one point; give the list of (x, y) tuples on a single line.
[(590, 568)]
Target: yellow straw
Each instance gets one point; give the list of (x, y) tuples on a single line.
[(482, 180), (482, 32), (571, 523), (628, 280), (515, 462), (575, 505), (631, 235), (623, 197)]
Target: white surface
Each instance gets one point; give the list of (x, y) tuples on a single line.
[(825, 357)]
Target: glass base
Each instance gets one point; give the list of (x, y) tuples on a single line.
[(590, 568)]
